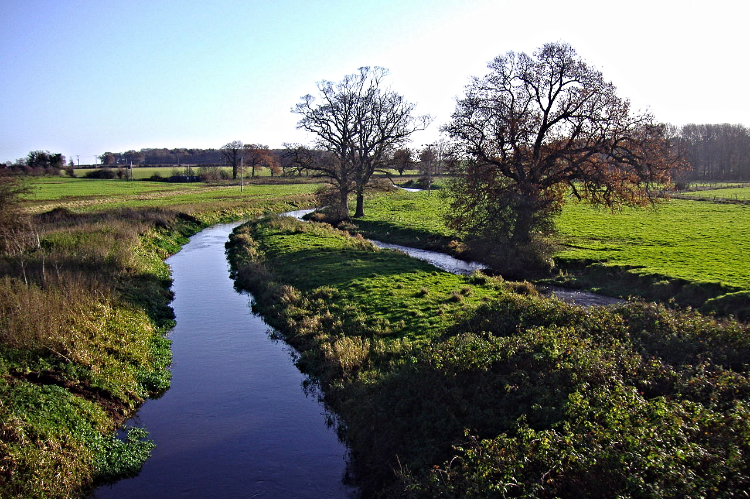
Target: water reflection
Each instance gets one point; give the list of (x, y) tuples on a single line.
[(236, 422), (439, 260)]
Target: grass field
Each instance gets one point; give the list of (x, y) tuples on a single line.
[(728, 193), (680, 242), (695, 241), (394, 284), (144, 172), (81, 194)]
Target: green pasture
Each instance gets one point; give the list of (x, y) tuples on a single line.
[(408, 218), (695, 241), (699, 242), (396, 288), (58, 188), (740, 193), (145, 172)]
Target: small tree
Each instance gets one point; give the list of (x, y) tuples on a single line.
[(232, 154), (402, 160), (258, 156), (537, 127)]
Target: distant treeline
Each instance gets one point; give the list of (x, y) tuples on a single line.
[(154, 157), (715, 152)]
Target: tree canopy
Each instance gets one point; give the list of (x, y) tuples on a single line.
[(537, 127)]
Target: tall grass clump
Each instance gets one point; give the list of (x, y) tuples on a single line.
[(78, 353)]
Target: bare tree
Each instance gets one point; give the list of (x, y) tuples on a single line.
[(358, 121), (536, 127), (716, 152), (232, 154)]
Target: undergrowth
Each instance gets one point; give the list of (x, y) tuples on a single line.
[(475, 390)]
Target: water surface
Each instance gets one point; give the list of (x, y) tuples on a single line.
[(236, 422)]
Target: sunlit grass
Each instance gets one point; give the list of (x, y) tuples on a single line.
[(79, 194), (695, 241), (391, 282)]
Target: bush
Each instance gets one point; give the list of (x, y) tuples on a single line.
[(103, 173)]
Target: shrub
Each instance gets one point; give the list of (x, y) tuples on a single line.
[(102, 173)]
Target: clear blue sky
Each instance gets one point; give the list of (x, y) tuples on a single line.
[(82, 77)]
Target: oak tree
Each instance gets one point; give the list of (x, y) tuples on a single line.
[(536, 128), (232, 154)]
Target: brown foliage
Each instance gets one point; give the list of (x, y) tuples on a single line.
[(537, 127)]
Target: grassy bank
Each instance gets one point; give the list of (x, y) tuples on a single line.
[(83, 323), (451, 386), (692, 252)]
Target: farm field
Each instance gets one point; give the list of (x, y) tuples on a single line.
[(95, 195), (144, 172), (695, 241)]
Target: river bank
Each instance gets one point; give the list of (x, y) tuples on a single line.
[(446, 385), (83, 341)]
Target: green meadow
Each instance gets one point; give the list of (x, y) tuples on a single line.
[(395, 286), (695, 241), (738, 193), (146, 172), (693, 250), (80, 194)]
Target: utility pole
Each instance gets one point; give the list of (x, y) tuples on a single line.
[(242, 160)]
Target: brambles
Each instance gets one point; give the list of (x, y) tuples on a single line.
[(498, 393)]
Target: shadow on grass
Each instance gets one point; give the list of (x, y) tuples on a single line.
[(337, 267)]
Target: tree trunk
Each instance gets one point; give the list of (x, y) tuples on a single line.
[(525, 208), (343, 207), (359, 212)]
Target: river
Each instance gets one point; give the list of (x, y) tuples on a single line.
[(236, 422)]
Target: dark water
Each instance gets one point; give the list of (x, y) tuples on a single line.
[(236, 422)]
